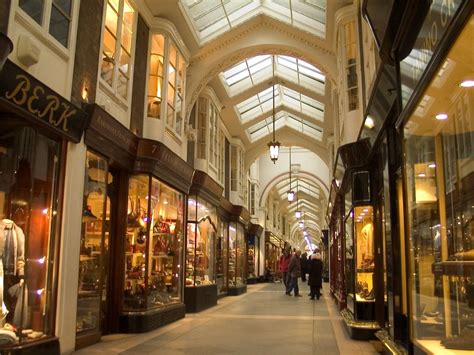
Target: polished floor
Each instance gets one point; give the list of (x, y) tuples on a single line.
[(262, 321)]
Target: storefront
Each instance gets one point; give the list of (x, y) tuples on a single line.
[(273, 251), (438, 145), (237, 281), (253, 252), (111, 151), (152, 248), (36, 125), (222, 246), (202, 230), (422, 188), (336, 246)]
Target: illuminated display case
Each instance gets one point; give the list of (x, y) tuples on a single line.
[(153, 245), (237, 253), (29, 229)]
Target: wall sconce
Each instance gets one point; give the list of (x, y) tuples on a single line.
[(85, 95)]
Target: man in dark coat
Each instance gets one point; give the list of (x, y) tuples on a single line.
[(315, 275), (294, 270)]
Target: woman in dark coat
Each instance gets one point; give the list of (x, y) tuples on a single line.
[(315, 275)]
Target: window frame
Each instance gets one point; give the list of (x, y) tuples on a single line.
[(45, 25), (111, 89)]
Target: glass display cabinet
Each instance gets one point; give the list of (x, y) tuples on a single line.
[(201, 288), (153, 245), (237, 259), (93, 250), (221, 257)]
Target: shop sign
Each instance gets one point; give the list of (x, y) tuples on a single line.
[(109, 127), (29, 96), (440, 15), (158, 151)]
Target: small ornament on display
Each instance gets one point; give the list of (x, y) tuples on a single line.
[(141, 237)]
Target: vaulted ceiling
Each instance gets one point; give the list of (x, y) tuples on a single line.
[(263, 58)]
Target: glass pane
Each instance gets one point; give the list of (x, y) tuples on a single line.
[(221, 257), (158, 45), (439, 174), (166, 245), (124, 64), (34, 8), (135, 243), (241, 256), (127, 27), (232, 255), (64, 5), (92, 257), (114, 4), (173, 56), (59, 26), (122, 85), (111, 20), (28, 217), (171, 95)]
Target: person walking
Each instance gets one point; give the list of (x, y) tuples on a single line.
[(284, 262), (304, 266), (294, 270), (315, 280)]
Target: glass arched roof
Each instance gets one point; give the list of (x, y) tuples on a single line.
[(262, 103), (211, 18), (255, 70)]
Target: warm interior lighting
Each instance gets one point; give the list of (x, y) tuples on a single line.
[(421, 175), (441, 116), (432, 165), (469, 83), (369, 122), (85, 95)]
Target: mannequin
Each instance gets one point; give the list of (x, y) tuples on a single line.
[(12, 267)]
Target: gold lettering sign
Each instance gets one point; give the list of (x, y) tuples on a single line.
[(33, 99)]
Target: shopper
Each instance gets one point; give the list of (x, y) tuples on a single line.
[(315, 281), (284, 262), (304, 266), (294, 270)]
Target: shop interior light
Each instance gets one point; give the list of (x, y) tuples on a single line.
[(468, 83), (369, 122), (432, 165), (421, 175), (441, 116)]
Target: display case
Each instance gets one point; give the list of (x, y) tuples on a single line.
[(237, 259), (360, 263), (153, 245), (253, 253), (94, 249), (201, 288), (251, 272), (221, 256), (29, 234)]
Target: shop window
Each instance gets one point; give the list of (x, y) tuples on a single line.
[(94, 248), (201, 237), (350, 65), (174, 95), (237, 255), (156, 76), (117, 46), (438, 144), (221, 257), (153, 245), (29, 182), (58, 12)]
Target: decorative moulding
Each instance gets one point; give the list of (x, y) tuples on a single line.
[(162, 25)]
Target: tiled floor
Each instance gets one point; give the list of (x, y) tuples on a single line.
[(262, 321)]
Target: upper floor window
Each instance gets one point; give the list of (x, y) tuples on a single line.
[(202, 128), (167, 74), (221, 150), (213, 123), (53, 15), (117, 46), (350, 65)]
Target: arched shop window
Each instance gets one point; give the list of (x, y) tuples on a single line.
[(166, 80)]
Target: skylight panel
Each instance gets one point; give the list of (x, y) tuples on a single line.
[(257, 104)]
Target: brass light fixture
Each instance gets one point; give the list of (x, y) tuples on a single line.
[(290, 193), (274, 145)]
